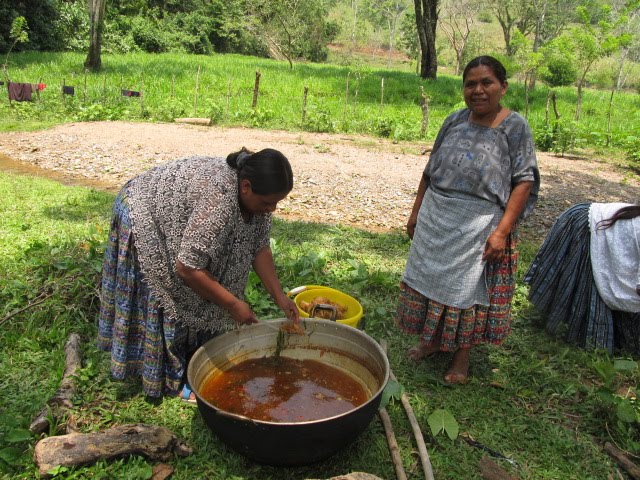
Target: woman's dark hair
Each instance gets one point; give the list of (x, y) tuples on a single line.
[(496, 67), (268, 170), (625, 213)]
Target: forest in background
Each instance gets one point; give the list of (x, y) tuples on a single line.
[(561, 42)]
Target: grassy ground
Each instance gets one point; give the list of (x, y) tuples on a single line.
[(546, 406)]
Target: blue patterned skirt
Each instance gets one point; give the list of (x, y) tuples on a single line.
[(143, 342), (561, 286)]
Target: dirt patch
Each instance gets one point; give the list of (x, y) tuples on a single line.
[(358, 181)]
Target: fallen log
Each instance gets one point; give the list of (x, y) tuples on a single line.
[(194, 121), (631, 468), (75, 449), (62, 400)]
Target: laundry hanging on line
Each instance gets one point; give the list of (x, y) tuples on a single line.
[(22, 92), (131, 93)]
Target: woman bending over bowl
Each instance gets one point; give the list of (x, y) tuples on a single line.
[(183, 239)]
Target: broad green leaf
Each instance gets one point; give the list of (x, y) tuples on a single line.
[(57, 470), (16, 435), (11, 455), (393, 389), (442, 421), (625, 365), (605, 395), (626, 412)]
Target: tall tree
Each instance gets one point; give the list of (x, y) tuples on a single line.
[(591, 41), (96, 16), (456, 21), (551, 17), (512, 14), (292, 28), (528, 61), (426, 24), (390, 11)]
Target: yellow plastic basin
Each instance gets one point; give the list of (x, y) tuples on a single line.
[(307, 293)]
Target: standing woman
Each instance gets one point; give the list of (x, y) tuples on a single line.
[(481, 179), (184, 237)]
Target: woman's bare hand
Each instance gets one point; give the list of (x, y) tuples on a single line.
[(242, 314), (494, 248), (289, 308), (411, 225)]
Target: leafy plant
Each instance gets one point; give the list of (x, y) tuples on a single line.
[(625, 405), (19, 33), (632, 149)]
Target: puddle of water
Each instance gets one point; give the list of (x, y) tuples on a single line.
[(23, 168)]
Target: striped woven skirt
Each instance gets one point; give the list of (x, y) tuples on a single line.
[(462, 328), (562, 288), (143, 342)]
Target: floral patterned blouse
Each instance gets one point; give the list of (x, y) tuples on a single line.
[(188, 210)]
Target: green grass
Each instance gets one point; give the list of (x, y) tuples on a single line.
[(533, 399), (346, 99)]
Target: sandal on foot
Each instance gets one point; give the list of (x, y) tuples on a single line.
[(187, 395)]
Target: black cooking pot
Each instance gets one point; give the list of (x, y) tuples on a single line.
[(292, 443)]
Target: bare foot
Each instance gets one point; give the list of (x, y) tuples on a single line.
[(459, 368), (421, 351)]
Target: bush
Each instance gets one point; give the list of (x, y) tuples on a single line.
[(559, 71), (632, 149), (73, 26), (147, 36), (188, 32), (319, 120)]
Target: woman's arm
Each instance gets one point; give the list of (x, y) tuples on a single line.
[(264, 266), (497, 241), (204, 284), (413, 217)]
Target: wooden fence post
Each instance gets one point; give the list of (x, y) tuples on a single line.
[(142, 95), (228, 97), (346, 99), (382, 92), (256, 89), (546, 110), (84, 92), (424, 105), (304, 105), (173, 81), (195, 98)]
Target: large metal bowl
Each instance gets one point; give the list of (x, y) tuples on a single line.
[(294, 443)]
